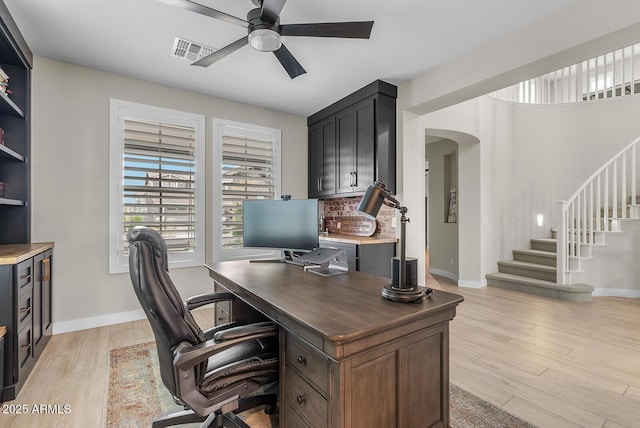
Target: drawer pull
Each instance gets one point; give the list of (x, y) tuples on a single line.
[(26, 277), (25, 310), (301, 399), (25, 348), (301, 359), (46, 269)]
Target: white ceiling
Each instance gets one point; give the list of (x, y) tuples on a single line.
[(135, 37)]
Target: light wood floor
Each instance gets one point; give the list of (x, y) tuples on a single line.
[(553, 363)]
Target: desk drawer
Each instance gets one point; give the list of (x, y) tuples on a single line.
[(24, 348), (222, 313), (24, 277), (25, 309), (305, 400), (292, 419), (310, 362)]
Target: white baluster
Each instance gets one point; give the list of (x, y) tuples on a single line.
[(598, 205), (634, 194), (606, 199), (623, 196)]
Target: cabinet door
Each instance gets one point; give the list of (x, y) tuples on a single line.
[(47, 320), (365, 145), (346, 166), (41, 298), (38, 273), (322, 158)]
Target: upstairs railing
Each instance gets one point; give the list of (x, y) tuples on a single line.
[(596, 208), (611, 75)]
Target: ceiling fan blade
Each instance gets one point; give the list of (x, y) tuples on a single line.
[(349, 30), (203, 10), (288, 61), (221, 53), (271, 9)]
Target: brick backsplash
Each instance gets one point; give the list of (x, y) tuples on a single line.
[(346, 207)]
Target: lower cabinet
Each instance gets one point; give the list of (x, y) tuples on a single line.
[(370, 258), (25, 310), (399, 384)]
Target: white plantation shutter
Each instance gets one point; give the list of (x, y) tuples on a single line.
[(247, 173), (248, 161), (158, 184)]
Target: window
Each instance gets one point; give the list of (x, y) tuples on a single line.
[(157, 180), (247, 164)]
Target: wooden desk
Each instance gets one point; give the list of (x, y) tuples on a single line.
[(349, 358)]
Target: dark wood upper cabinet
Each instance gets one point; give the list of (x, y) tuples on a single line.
[(322, 158), (352, 143)]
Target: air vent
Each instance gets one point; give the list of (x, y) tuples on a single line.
[(189, 50)]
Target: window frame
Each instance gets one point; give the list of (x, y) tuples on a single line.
[(222, 128), (119, 111)]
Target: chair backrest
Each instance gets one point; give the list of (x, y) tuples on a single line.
[(170, 320)]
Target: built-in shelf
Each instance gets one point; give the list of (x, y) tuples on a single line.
[(7, 106), (16, 202), (10, 154)]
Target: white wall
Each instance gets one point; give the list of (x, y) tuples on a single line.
[(70, 181), (531, 157)]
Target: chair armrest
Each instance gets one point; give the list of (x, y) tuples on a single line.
[(207, 299), (187, 356), (244, 330)]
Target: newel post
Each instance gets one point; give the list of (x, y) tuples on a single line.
[(561, 245)]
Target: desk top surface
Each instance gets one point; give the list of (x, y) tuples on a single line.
[(338, 308)]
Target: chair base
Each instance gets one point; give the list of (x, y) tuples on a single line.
[(219, 420)]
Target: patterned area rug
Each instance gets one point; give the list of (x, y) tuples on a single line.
[(137, 397)]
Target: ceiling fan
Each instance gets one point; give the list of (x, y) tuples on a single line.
[(265, 31)]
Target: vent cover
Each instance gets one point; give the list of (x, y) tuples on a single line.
[(189, 50)]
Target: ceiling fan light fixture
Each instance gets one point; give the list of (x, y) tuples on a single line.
[(265, 40)]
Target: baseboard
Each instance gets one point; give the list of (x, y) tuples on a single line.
[(615, 292), (452, 276), (472, 284), (100, 321)]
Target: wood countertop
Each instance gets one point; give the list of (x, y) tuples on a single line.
[(3, 330), (358, 240), (15, 253)]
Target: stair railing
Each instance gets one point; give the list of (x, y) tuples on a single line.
[(595, 207), (610, 75)]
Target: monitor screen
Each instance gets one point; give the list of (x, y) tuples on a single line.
[(279, 224)]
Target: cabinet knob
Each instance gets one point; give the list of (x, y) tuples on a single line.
[(301, 359), (301, 399)]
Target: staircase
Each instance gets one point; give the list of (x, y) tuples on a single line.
[(534, 271), (598, 207)]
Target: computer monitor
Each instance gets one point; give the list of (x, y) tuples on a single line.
[(290, 225)]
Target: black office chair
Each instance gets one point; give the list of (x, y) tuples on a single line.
[(214, 373)]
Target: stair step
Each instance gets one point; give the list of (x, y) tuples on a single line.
[(529, 270), (544, 244), (573, 292), (546, 258)]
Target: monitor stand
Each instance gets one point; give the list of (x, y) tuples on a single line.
[(287, 257)]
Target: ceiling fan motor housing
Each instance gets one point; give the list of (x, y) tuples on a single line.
[(263, 35)]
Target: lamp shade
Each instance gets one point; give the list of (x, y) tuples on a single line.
[(373, 199)]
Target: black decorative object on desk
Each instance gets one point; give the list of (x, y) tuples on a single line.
[(403, 287)]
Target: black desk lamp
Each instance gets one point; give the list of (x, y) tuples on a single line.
[(398, 290)]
